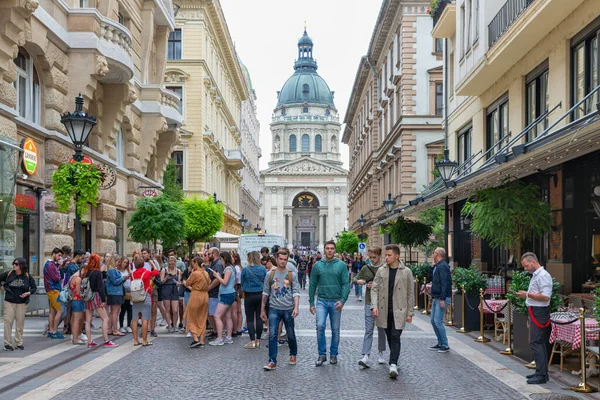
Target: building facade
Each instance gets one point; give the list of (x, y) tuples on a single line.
[(522, 105), (393, 120), (251, 152), (114, 54), (305, 186), (203, 69)]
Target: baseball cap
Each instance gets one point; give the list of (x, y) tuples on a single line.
[(275, 249)]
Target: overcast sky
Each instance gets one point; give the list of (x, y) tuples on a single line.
[(266, 34)]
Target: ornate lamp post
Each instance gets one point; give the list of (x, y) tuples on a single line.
[(257, 228), (389, 203), (447, 169), (362, 221), (215, 198), (78, 124), (243, 221)]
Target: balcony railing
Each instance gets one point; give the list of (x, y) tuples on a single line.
[(507, 15), (315, 118), (438, 10)]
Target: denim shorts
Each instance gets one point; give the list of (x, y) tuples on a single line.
[(77, 306), (227, 299), (212, 305)]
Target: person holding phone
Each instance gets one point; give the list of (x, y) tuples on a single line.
[(170, 278), (222, 315), (18, 286)]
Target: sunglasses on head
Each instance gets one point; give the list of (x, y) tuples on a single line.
[(15, 263)]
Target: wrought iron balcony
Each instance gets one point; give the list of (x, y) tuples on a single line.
[(507, 15)]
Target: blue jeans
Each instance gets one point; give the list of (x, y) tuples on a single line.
[(276, 316), (437, 321), (358, 290), (325, 308)]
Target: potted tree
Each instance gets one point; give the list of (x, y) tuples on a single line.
[(520, 332), (421, 272), (409, 233), (473, 280)]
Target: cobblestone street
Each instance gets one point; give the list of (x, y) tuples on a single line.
[(169, 369)]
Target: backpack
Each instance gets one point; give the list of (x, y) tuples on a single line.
[(86, 289), (290, 275), (137, 289)]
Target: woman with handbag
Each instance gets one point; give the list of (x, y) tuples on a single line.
[(253, 277), (196, 312), (236, 307), (125, 269), (19, 286), (143, 309), (96, 302)]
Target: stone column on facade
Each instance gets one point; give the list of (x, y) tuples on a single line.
[(321, 229), (330, 214), (280, 212)]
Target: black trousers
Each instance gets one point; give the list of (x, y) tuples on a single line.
[(539, 339), (393, 338), (252, 305), (302, 279), (126, 308)]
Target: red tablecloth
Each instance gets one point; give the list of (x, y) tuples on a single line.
[(571, 333), (494, 291), (495, 305)]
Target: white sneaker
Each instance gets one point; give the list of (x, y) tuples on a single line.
[(380, 359), (189, 334), (128, 329), (359, 298), (83, 338), (217, 342), (264, 336), (228, 340), (393, 371), (364, 362), (123, 330)]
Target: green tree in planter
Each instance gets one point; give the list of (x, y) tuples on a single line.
[(434, 217), (472, 278), (409, 233), (597, 305), (156, 218), (77, 181), (506, 215), (520, 281), (203, 218), (347, 242)]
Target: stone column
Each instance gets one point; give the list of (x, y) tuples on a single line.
[(330, 214), (321, 230)]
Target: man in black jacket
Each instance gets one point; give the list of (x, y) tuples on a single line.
[(441, 290)]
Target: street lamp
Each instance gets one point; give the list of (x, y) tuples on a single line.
[(389, 203), (78, 124), (257, 228), (243, 222), (215, 198), (337, 236), (362, 221), (447, 169)]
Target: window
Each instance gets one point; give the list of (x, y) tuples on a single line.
[(179, 91), (476, 18), (121, 18), (497, 126), (120, 148), (120, 239), (84, 3), (439, 99), (305, 143), (177, 157), (585, 72), (292, 143), (464, 147), (439, 45), (175, 45), (469, 18), (318, 144), (327, 112), (305, 90), (27, 86), (536, 100), (305, 110), (463, 27)]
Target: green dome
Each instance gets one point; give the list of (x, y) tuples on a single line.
[(305, 87)]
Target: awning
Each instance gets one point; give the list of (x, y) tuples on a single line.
[(228, 246), (224, 237)]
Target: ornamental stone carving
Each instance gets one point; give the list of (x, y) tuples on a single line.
[(131, 94), (305, 167), (28, 7), (101, 66)]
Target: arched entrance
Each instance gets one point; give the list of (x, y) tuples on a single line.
[(305, 220)]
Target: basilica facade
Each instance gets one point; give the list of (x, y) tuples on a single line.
[(305, 187)]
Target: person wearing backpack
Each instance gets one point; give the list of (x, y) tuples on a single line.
[(19, 286), (253, 277), (53, 286), (141, 296), (92, 292), (281, 288), (365, 277)]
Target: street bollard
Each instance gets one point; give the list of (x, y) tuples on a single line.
[(481, 338), (462, 328), (509, 350), (583, 387), (416, 307)]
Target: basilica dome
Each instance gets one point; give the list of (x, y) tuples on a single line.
[(305, 86)]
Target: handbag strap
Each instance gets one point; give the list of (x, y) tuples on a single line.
[(253, 274)]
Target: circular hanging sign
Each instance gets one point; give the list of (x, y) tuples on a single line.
[(30, 156), (86, 160), (109, 176), (149, 193)]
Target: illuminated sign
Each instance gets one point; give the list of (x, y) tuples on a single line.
[(30, 156)]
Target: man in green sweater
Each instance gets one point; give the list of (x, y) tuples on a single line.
[(330, 277)]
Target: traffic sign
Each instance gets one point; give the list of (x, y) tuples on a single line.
[(362, 248)]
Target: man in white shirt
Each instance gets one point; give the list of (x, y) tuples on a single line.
[(537, 299)]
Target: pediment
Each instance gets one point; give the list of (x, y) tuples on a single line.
[(305, 166)]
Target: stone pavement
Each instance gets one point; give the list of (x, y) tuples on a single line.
[(170, 370)]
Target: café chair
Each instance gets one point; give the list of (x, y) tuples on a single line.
[(561, 347)]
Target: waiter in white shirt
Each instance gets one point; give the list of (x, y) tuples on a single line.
[(537, 299)]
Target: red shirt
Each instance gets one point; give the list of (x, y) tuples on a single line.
[(146, 277)]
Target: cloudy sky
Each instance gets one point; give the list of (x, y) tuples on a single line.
[(266, 33)]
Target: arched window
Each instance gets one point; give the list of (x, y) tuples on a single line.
[(305, 143), (305, 110), (292, 143), (27, 86), (318, 144), (305, 90)]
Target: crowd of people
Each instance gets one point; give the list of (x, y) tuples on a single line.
[(204, 298)]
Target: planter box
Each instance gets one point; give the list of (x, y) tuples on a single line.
[(471, 316), (421, 301), (520, 335)]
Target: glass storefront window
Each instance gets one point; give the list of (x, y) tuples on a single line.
[(27, 227)]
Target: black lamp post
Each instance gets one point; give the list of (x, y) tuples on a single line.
[(389, 203), (337, 236), (243, 221), (78, 124), (257, 228), (362, 221), (215, 198), (447, 169)]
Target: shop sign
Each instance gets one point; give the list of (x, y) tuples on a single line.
[(24, 202), (30, 156), (149, 193)]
